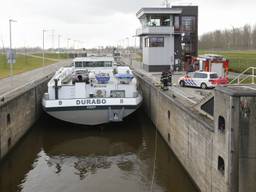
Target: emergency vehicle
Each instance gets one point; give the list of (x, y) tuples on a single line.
[(211, 63), (202, 79)]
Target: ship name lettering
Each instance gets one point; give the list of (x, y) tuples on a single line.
[(91, 101)]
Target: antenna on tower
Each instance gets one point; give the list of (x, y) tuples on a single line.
[(167, 3)]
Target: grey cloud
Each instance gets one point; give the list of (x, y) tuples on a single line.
[(82, 11), (108, 20)]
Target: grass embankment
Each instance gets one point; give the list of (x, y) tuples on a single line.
[(54, 55), (23, 64), (239, 60)]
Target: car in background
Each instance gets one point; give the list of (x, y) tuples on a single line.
[(202, 79)]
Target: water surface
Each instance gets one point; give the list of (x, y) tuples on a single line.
[(57, 157)]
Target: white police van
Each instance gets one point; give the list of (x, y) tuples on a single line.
[(202, 79)]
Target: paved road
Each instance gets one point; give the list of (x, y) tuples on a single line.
[(189, 96), (10, 84)]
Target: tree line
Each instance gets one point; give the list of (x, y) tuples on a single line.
[(243, 38)]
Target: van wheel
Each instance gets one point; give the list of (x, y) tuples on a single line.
[(182, 83), (203, 86)]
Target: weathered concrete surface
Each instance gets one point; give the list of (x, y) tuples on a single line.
[(210, 155), (20, 104), (217, 160), (187, 135), (224, 143), (247, 148)]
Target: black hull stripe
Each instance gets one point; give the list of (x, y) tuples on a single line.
[(89, 108)]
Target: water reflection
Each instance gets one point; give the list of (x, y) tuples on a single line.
[(55, 156)]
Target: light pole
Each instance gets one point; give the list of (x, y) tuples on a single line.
[(123, 42), (77, 45), (128, 50), (128, 42), (11, 51), (68, 43), (43, 46), (120, 44), (59, 36), (68, 39), (53, 31), (3, 49), (74, 42), (135, 42)]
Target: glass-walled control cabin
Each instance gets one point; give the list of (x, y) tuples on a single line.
[(156, 21), (93, 63), (184, 24)]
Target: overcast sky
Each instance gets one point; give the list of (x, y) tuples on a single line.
[(105, 22)]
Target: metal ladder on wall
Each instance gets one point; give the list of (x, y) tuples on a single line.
[(248, 74)]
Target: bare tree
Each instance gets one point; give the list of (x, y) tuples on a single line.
[(236, 38), (253, 37)]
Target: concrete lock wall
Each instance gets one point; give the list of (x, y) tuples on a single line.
[(203, 149), (18, 115), (247, 151), (225, 142)]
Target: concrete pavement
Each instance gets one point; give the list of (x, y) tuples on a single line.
[(188, 96), (17, 84)]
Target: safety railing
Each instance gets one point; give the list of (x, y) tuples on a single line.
[(248, 77)]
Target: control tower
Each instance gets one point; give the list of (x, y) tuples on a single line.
[(167, 36)]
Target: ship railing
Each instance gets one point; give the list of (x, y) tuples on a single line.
[(47, 97)]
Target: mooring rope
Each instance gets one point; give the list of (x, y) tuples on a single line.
[(154, 165)]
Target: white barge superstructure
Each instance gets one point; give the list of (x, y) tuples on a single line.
[(93, 91)]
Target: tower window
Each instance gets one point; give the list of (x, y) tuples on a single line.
[(221, 165), (221, 124), (188, 23), (8, 119), (154, 42)]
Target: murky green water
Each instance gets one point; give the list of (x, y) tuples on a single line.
[(58, 157)]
